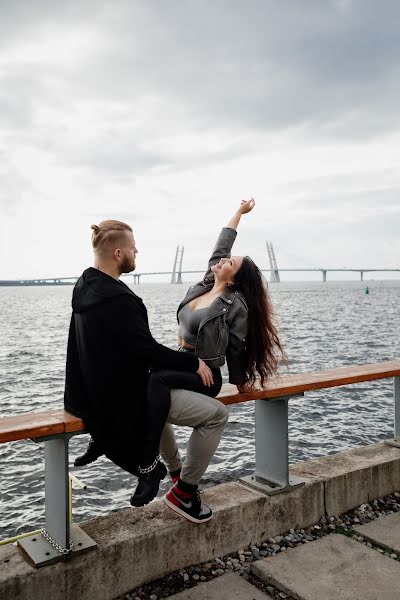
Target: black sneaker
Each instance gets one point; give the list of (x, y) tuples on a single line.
[(187, 505), (148, 485), (92, 453)]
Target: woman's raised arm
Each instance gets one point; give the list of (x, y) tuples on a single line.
[(245, 207), (223, 246)]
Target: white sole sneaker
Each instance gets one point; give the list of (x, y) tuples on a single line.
[(183, 513)]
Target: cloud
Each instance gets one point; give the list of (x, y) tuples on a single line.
[(13, 184), (165, 114), (114, 81), (330, 66)]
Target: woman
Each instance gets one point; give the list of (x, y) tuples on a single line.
[(227, 317)]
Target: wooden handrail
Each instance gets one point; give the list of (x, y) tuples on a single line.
[(57, 421), (289, 385)]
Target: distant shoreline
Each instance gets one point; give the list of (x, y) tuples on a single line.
[(48, 283), (33, 284)]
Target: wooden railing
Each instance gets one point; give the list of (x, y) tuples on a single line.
[(55, 428)]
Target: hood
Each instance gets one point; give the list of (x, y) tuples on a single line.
[(94, 287)]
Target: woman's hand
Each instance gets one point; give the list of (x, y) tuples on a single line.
[(246, 206), (205, 373), (247, 388)]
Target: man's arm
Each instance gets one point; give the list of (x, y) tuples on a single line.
[(134, 334)]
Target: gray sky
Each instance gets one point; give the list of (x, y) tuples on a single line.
[(167, 114)]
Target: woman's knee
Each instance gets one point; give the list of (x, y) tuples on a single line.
[(155, 376), (222, 413), (158, 381), (165, 378)]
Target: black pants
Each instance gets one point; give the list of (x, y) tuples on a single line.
[(159, 400)]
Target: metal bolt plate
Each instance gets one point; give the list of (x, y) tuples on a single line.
[(40, 553)]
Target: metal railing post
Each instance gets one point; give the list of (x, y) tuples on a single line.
[(60, 538), (272, 441), (396, 408), (57, 490), (271, 473), (396, 399)]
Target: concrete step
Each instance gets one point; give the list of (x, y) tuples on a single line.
[(384, 531), (226, 587), (331, 568)]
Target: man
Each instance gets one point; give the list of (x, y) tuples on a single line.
[(110, 353)]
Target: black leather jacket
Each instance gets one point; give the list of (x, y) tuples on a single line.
[(222, 334)]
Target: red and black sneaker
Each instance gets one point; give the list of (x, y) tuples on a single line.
[(188, 505)]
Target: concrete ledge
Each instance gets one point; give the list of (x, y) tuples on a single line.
[(353, 477), (140, 545)]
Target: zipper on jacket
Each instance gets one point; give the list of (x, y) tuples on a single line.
[(202, 323)]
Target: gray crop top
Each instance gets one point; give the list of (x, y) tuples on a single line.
[(189, 322)]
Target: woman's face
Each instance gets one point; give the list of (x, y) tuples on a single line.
[(226, 268)]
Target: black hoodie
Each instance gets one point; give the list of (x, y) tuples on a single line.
[(110, 352)]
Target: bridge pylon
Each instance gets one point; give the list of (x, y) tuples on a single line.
[(179, 277), (176, 276), (275, 278)]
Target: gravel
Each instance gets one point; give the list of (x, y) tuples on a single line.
[(240, 562)]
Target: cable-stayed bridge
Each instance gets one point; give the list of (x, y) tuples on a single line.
[(177, 272)]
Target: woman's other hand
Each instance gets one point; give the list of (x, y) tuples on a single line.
[(246, 206), (205, 373), (247, 388)]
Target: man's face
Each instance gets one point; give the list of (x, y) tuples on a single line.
[(127, 257)]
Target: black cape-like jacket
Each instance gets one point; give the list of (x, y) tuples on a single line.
[(110, 352)]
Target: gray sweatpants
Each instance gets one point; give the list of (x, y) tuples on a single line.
[(208, 418)]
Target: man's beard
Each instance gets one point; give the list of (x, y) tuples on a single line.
[(127, 265)]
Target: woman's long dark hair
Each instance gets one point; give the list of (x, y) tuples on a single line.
[(263, 348)]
